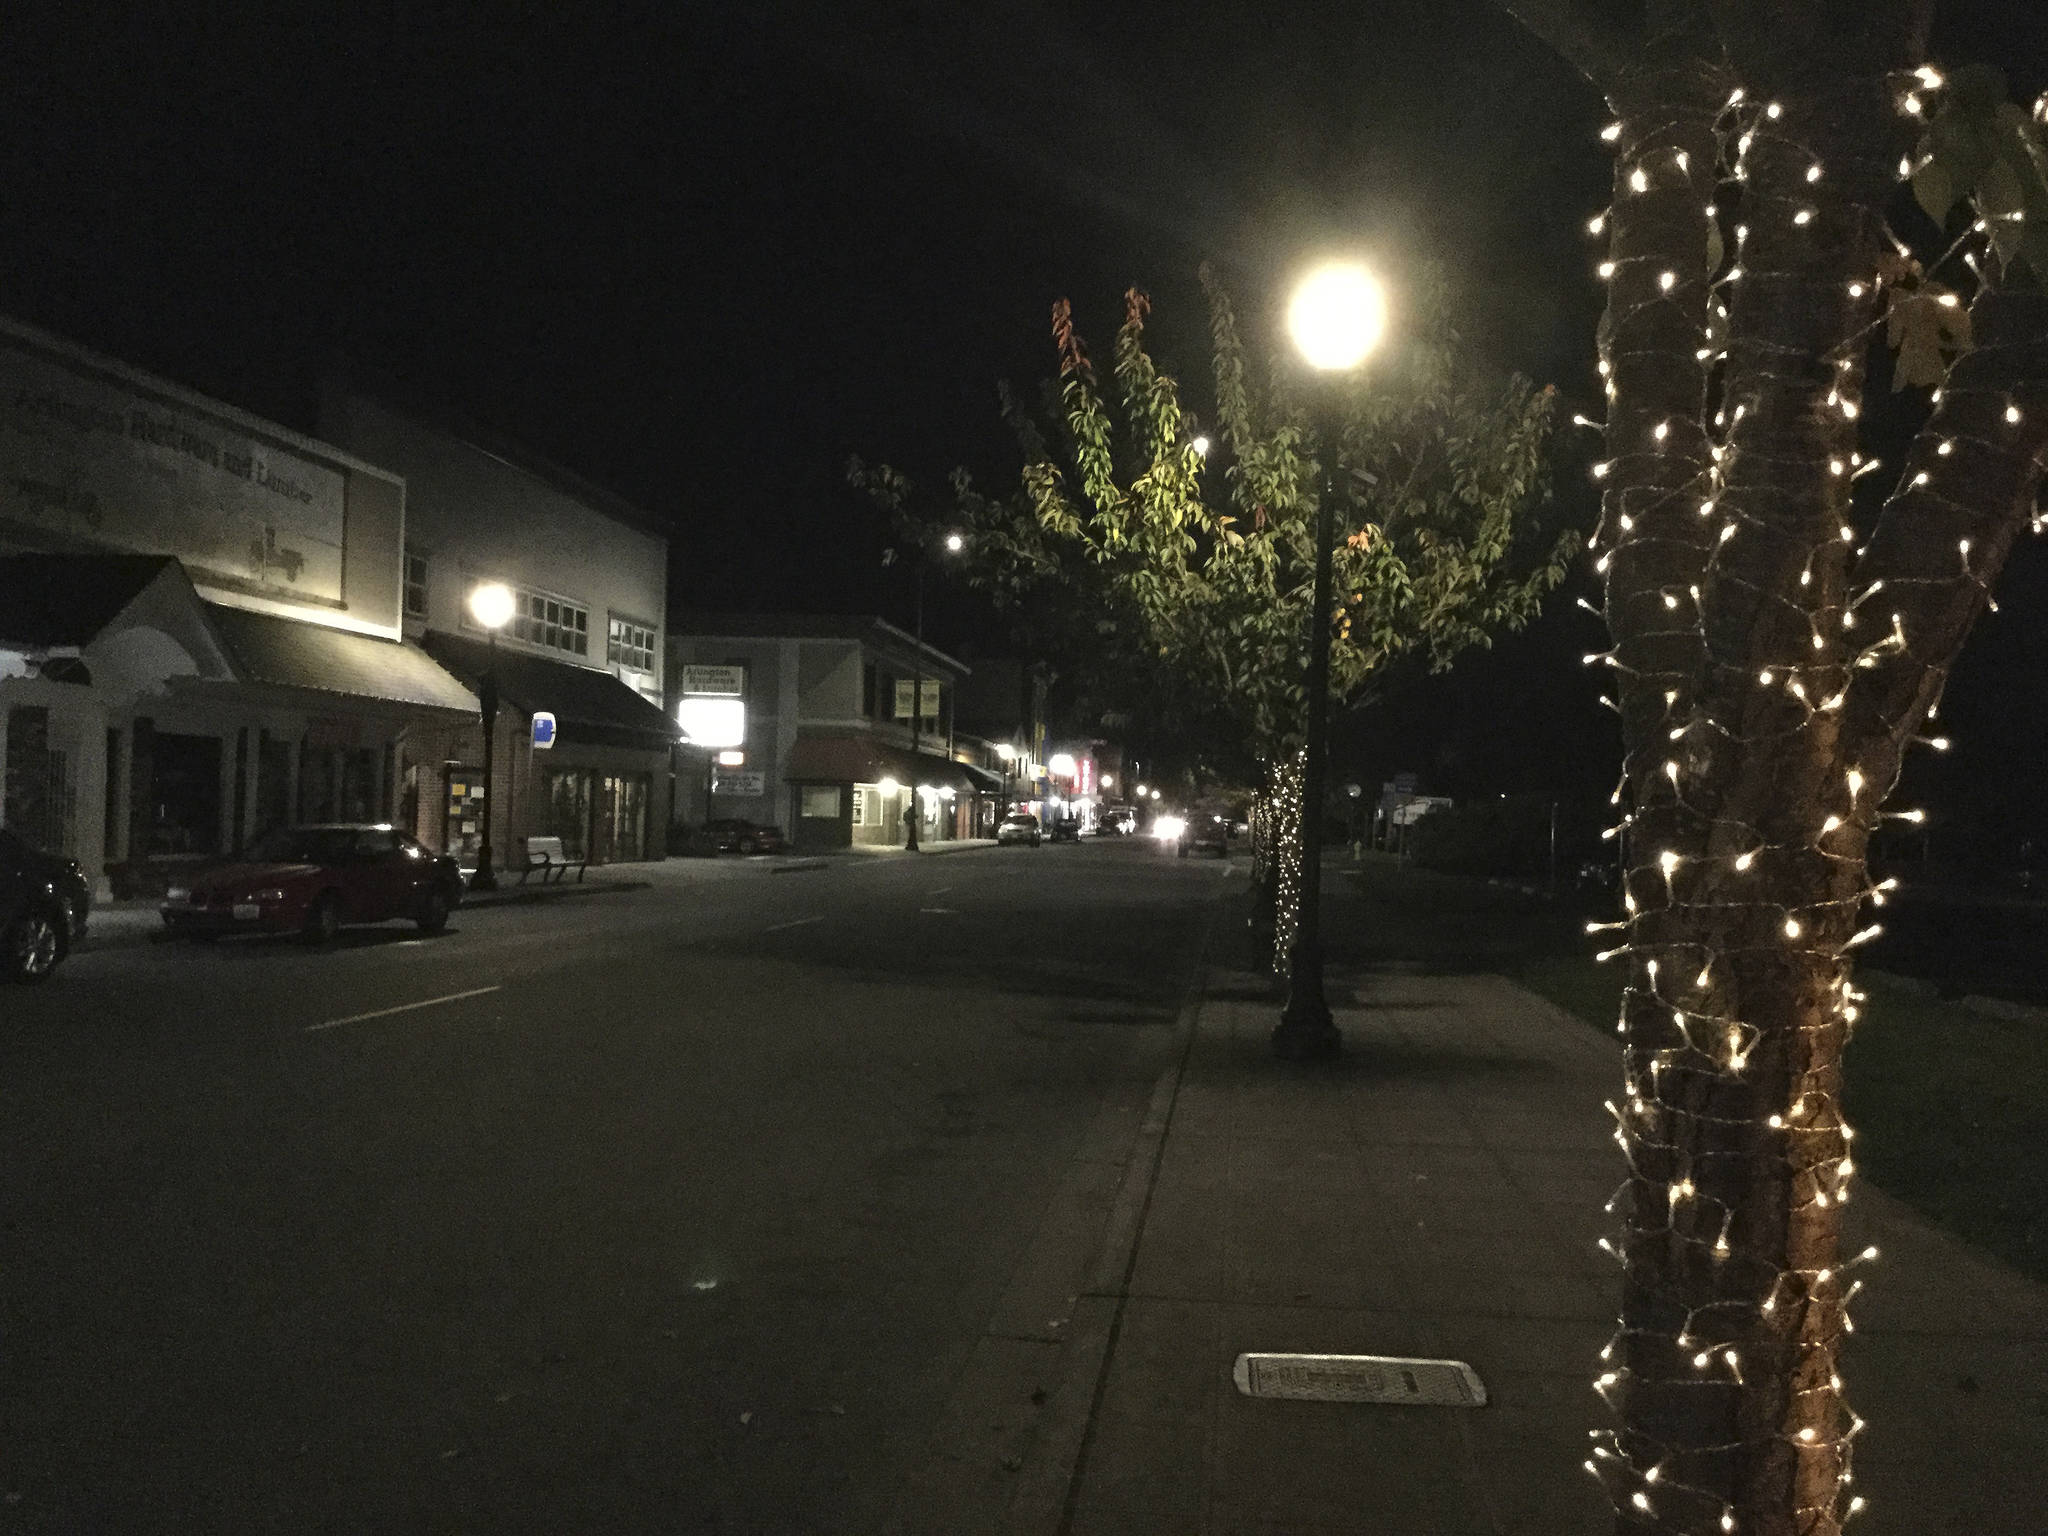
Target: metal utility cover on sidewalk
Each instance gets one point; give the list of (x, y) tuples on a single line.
[(1360, 1379)]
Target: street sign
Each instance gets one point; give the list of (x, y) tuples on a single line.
[(716, 682), (543, 730)]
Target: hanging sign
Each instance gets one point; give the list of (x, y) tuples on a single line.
[(543, 730)]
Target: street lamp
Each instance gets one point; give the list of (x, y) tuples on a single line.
[(1334, 319), (953, 544), (1008, 754), (491, 606)]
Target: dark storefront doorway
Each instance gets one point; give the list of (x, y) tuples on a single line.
[(184, 795), (565, 807), (621, 829)]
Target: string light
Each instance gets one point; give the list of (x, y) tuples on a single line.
[(1691, 1016)]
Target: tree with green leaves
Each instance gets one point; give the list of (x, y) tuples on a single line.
[(1779, 643), (1179, 561)]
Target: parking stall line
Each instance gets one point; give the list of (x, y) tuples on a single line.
[(385, 1013), (801, 922)]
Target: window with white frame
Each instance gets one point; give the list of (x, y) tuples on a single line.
[(544, 618), (860, 805), (415, 584), (630, 644)]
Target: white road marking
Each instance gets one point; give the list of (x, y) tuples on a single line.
[(385, 1013), (939, 890), (797, 923), (943, 911)]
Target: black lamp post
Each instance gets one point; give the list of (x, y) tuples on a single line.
[(1335, 318), (954, 544), (491, 606)]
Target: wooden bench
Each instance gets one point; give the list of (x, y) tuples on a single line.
[(545, 854)]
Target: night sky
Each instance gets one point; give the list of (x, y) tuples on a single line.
[(703, 258)]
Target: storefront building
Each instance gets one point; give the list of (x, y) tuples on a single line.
[(589, 577), (200, 631), (824, 746), (601, 785)]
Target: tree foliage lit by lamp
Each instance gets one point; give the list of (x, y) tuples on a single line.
[(491, 605), (1335, 319)]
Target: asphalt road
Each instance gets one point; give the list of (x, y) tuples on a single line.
[(674, 1209)]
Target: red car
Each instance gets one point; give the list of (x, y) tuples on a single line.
[(311, 880)]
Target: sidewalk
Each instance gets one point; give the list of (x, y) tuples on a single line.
[(1438, 1193)]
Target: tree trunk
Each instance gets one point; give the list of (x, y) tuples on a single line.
[(1767, 698)]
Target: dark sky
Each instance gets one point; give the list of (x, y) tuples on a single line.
[(701, 253)]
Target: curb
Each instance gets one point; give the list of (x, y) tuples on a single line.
[(1051, 1475), (1051, 1480)]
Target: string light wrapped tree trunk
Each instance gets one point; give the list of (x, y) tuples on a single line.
[(1772, 665)]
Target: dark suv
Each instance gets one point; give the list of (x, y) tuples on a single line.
[(44, 902)]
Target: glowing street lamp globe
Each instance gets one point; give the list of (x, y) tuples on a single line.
[(491, 605), (1336, 316), (955, 543)]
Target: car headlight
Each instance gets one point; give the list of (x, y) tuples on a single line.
[(1169, 827), (178, 893), (273, 894)]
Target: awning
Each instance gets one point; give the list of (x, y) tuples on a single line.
[(591, 708), (863, 760), (985, 781), (288, 653)]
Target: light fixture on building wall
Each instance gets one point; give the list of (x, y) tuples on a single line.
[(731, 759)]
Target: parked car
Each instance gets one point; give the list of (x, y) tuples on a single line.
[(44, 904), (311, 880), (1019, 827), (1118, 821), (735, 834), (1065, 829)]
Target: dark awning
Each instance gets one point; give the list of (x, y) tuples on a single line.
[(288, 653), (984, 781), (863, 760), (591, 708)]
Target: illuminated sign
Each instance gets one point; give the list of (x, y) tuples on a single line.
[(716, 682), (543, 730), (713, 722)]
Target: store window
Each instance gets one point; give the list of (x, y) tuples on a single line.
[(630, 644), (543, 618), (821, 801), (860, 805), (415, 584)]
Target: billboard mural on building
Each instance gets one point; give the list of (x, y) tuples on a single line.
[(104, 461)]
